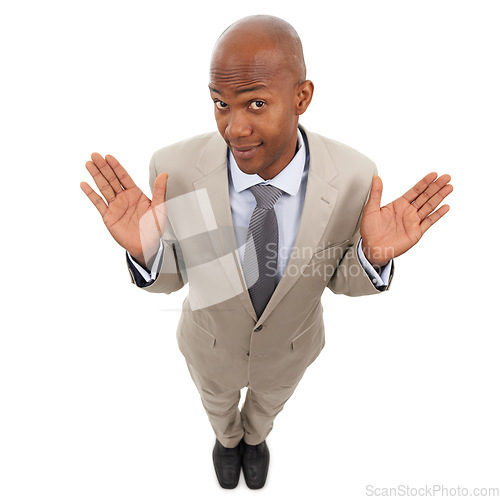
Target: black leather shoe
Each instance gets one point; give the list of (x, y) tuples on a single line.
[(255, 463), (227, 463)]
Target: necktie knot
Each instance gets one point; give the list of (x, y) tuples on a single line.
[(266, 195)]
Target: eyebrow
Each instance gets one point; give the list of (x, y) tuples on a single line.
[(260, 86)]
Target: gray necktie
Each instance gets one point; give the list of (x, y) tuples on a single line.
[(260, 260)]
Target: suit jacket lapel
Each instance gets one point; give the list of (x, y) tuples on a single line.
[(319, 204), (213, 163)]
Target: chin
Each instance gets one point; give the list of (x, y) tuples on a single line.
[(249, 169)]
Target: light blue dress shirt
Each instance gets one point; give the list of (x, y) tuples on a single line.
[(292, 180)]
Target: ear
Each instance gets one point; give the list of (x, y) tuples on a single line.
[(304, 94)]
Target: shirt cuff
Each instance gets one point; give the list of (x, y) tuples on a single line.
[(380, 278), (154, 268)]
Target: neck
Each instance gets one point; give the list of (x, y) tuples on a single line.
[(274, 169)]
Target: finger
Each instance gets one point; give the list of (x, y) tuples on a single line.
[(433, 218), (120, 172), (431, 191), (104, 186), (419, 187), (373, 203), (433, 202), (94, 198), (107, 172)]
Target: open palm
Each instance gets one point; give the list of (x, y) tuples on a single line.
[(391, 230), (134, 221)]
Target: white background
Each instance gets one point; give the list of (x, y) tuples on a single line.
[(96, 401)]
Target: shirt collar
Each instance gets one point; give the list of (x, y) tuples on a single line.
[(288, 180)]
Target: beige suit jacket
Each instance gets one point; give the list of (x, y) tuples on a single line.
[(218, 332)]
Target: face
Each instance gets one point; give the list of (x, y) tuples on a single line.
[(257, 107)]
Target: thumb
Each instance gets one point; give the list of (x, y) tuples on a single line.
[(158, 203), (373, 203), (159, 189)]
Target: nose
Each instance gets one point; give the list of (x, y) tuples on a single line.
[(238, 126)]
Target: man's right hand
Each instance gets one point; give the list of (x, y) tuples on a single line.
[(135, 222)]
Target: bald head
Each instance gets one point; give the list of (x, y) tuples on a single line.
[(260, 39), (259, 90)]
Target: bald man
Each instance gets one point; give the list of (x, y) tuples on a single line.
[(261, 218)]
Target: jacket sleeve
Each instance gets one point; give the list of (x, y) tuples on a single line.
[(350, 278), (171, 274)]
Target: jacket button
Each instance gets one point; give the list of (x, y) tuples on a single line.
[(258, 329)]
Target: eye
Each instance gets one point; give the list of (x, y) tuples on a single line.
[(257, 104), (220, 104)]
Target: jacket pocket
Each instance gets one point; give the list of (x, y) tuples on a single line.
[(199, 334), (307, 336)]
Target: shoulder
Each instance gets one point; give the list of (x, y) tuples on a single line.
[(342, 166), (185, 152), (345, 157), (185, 161)]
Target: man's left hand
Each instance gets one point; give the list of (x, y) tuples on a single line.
[(391, 230)]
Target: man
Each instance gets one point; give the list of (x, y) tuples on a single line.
[(259, 218)]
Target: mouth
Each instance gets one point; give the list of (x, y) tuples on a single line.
[(244, 152)]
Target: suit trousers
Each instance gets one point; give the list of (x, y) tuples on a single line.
[(253, 423)]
